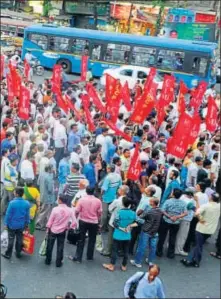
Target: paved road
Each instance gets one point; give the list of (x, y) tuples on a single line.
[(31, 278)]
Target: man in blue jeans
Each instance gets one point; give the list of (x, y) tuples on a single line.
[(149, 234)]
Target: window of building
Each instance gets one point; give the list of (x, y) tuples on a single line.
[(80, 47), (4, 27), (170, 60), (127, 73), (59, 44), (143, 56), (40, 40), (117, 53), (96, 52), (20, 31), (12, 28), (199, 66)]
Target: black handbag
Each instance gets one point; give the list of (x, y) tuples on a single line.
[(73, 236), (133, 287)]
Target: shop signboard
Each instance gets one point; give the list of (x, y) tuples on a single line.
[(180, 15), (74, 7)]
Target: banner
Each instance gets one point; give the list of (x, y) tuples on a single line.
[(117, 131), (181, 97), (24, 103), (62, 103), (135, 165), (149, 79), (84, 67), (10, 87), (56, 78), (16, 80), (92, 93), (212, 115), (197, 95), (89, 119), (27, 69), (147, 102), (125, 96), (195, 127), (2, 66)]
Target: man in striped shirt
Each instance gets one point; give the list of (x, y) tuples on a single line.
[(72, 182)]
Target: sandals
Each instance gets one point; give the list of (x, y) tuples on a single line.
[(108, 267), (214, 254)]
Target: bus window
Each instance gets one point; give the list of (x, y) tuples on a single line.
[(59, 44), (20, 31), (40, 40), (96, 52), (171, 60), (199, 66), (80, 47), (117, 53), (143, 56)]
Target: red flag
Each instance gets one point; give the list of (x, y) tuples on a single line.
[(24, 103), (10, 88), (109, 88), (147, 103), (27, 69), (114, 105), (195, 127), (72, 107), (16, 80), (135, 165), (138, 91), (125, 96), (117, 131), (2, 66), (198, 95), (181, 98), (84, 67), (86, 102), (61, 102), (95, 98), (56, 78), (212, 115), (150, 78), (167, 95)]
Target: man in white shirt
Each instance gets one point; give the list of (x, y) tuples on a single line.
[(103, 139), (60, 140), (27, 171), (146, 149), (27, 146), (5, 161), (29, 57), (85, 152), (75, 156), (192, 172), (153, 181)]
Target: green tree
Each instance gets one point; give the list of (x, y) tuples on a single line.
[(161, 4), (46, 7)]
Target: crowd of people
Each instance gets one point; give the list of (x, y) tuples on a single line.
[(57, 176)]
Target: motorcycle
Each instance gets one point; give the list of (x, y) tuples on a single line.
[(35, 66)]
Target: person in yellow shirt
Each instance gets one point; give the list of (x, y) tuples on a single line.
[(32, 194)]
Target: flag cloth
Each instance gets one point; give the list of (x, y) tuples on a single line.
[(72, 107), (10, 87), (16, 80), (125, 96), (92, 93), (2, 66), (117, 131), (195, 127), (135, 165), (212, 115), (84, 67), (56, 78), (150, 78), (62, 103), (109, 88), (86, 103), (197, 95), (167, 95), (181, 98), (27, 69), (24, 103), (146, 104), (113, 106)]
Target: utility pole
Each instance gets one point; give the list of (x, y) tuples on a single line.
[(130, 15)]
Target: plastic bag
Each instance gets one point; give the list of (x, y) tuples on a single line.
[(28, 243), (43, 247), (4, 239)]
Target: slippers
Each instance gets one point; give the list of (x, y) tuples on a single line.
[(214, 254), (108, 267), (71, 258)]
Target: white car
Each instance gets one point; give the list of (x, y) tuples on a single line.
[(130, 74)]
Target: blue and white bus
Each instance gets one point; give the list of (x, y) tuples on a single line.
[(190, 61)]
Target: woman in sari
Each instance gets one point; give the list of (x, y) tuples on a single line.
[(32, 194)]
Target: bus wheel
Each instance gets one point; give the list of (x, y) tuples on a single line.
[(66, 65)]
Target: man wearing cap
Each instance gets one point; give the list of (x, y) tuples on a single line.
[(146, 149), (109, 188), (10, 183)]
